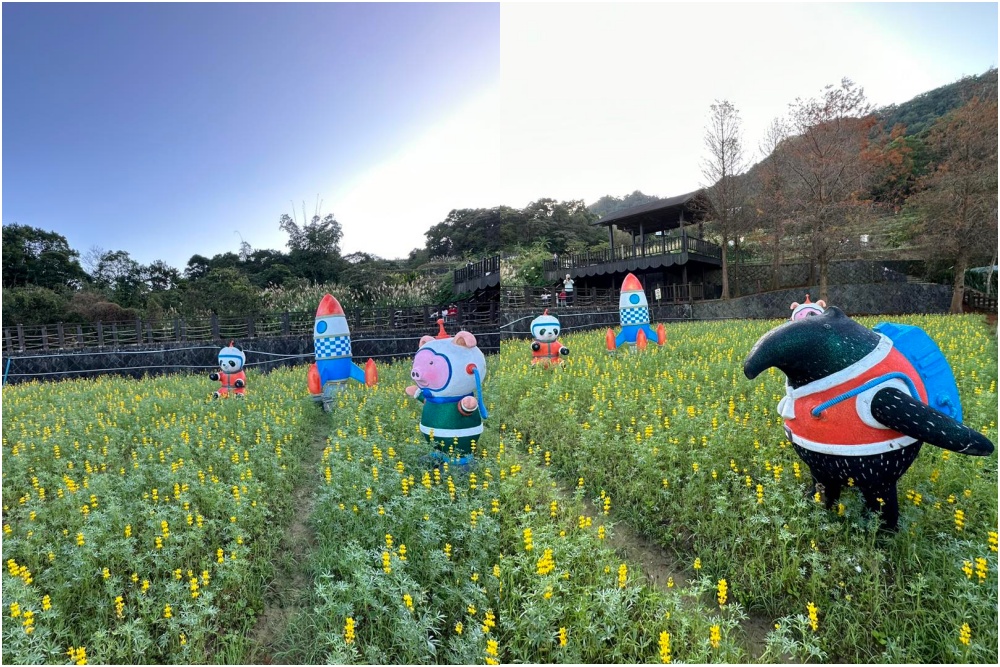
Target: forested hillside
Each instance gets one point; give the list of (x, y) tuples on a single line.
[(920, 113)]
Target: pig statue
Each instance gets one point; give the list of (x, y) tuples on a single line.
[(448, 373)]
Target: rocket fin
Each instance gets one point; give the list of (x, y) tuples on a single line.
[(371, 373), (315, 386), (640, 339), (661, 334), (609, 340), (357, 373)]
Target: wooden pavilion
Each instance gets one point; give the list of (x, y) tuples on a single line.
[(667, 251)]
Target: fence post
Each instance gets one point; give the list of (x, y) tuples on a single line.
[(20, 337), (45, 338), (100, 334), (138, 332), (10, 344), (493, 312), (427, 315), (114, 333), (149, 332), (79, 335), (215, 327), (251, 330), (177, 330), (286, 327), (61, 335), (184, 331)]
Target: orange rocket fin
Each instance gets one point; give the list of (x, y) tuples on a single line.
[(609, 340), (640, 339), (315, 387), (371, 373), (661, 334)]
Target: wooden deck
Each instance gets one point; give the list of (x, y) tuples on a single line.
[(656, 252)]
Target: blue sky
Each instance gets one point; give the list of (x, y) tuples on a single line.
[(163, 129)]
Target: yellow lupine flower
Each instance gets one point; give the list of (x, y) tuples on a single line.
[(665, 647), (813, 616)]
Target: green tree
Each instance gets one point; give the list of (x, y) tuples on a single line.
[(34, 305), (33, 256), (123, 278), (610, 204), (226, 292), (314, 247)]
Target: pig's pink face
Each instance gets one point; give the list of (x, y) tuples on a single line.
[(431, 370)]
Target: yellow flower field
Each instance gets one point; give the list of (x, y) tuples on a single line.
[(143, 522)]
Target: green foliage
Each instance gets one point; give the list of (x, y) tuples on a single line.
[(610, 204), (923, 110), (694, 457), (225, 292), (467, 232), (303, 297), (197, 498), (524, 266), (33, 256), (34, 305)]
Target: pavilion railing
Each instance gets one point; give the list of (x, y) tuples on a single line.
[(654, 245), (66, 336), (478, 269)]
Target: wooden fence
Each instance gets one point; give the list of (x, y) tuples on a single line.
[(979, 301), (21, 338)]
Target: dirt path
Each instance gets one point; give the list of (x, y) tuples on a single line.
[(289, 591), (658, 567)]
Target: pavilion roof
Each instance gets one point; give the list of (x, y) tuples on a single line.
[(662, 214)]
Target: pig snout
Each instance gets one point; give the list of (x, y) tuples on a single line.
[(430, 370)]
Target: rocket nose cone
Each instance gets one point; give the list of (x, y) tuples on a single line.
[(329, 306), (631, 284)]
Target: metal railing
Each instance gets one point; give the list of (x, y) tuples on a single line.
[(22, 338), (654, 245), (477, 269)]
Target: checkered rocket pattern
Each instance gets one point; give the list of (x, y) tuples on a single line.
[(330, 347), (639, 315)]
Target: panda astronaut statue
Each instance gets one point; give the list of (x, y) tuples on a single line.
[(230, 375)]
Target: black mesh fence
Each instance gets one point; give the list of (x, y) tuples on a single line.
[(262, 354), (746, 279)]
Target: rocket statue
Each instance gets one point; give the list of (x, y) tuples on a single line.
[(333, 367), (633, 309)]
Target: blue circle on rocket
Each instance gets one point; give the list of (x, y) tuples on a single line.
[(321, 327), (634, 298)]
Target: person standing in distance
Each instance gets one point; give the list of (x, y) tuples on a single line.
[(568, 287)]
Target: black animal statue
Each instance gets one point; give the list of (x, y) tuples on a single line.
[(856, 405)]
